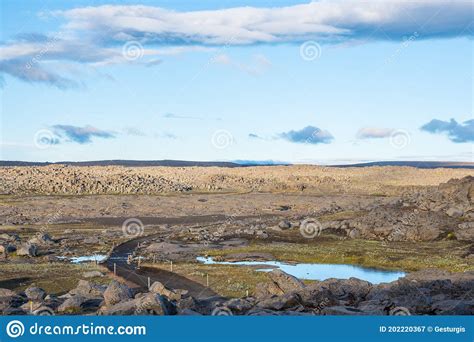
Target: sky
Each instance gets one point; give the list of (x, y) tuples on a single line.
[(284, 81)]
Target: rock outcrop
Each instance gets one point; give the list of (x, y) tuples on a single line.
[(116, 293), (429, 292)]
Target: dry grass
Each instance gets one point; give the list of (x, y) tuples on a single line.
[(235, 281), (54, 278), (406, 256), (225, 280)]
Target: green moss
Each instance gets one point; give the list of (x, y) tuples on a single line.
[(54, 278), (225, 280), (406, 256), (451, 236)]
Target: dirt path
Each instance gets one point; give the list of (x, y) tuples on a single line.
[(131, 273), (118, 221)]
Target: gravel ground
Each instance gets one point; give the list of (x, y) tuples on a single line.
[(64, 180)]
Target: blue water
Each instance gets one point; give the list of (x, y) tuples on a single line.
[(88, 258), (317, 271)]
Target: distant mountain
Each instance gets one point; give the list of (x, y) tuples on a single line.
[(242, 162), (128, 163), (417, 164), (237, 163)]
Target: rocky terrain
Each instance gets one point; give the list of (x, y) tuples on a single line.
[(419, 221), (422, 293), (419, 216), (73, 180)]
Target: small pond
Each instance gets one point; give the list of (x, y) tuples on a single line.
[(317, 271), (86, 258)]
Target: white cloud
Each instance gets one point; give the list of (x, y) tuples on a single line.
[(374, 133), (222, 58), (134, 131), (324, 20), (95, 36), (48, 59), (308, 135)]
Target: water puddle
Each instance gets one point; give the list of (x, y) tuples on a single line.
[(97, 258), (317, 271)]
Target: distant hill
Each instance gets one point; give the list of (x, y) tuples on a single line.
[(417, 164), (237, 163), (128, 163)]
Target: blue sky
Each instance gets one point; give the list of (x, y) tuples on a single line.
[(319, 82)]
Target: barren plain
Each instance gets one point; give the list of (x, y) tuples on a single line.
[(131, 240)]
